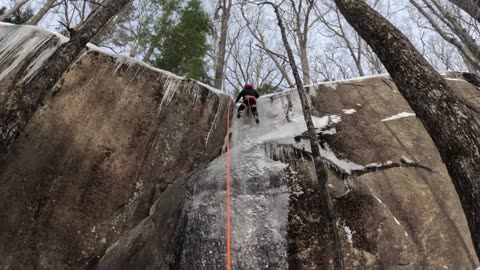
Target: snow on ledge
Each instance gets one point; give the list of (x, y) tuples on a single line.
[(129, 61), (30, 37), (398, 116)]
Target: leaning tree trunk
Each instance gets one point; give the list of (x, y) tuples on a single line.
[(450, 124), (42, 12), (15, 7), (472, 7), (222, 44), (25, 97), (320, 169)]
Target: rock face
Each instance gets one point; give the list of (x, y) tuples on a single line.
[(405, 213), (104, 146), (122, 168)]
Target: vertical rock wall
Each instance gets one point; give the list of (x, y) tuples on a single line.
[(107, 142)]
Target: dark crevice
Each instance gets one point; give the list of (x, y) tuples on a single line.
[(472, 78)]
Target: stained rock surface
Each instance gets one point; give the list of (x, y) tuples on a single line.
[(107, 142)]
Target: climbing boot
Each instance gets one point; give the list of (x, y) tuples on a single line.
[(256, 119)]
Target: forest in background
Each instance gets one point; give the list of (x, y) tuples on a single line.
[(226, 43)]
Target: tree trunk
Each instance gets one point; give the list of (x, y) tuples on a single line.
[(25, 97), (472, 7), (15, 7), (222, 44), (304, 62), (41, 13), (148, 54), (320, 169), (448, 121)]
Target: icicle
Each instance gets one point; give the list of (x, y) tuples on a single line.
[(18, 44), (171, 85), (214, 124)]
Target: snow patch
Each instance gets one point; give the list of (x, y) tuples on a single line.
[(349, 234), (455, 79), (396, 220), (406, 160), (398, 116), (378, 165), (349, 111), (378, 199), (346, 165), (384, 75), (297, 126), (332, 85), (322, 122)]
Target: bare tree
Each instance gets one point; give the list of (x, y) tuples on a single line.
[(472, 7), (43, 11), (321, 171), (225, 7), (277, 58), (15, 7), (24, 97), (302, 23), (452, 127), (346, 41), (457, 36)]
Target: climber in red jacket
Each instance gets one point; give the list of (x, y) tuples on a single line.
[(249, 99)]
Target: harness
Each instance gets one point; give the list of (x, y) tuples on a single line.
[(247, 98)]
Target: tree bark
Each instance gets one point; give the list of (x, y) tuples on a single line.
[(222, 44), (320, 169), (25, 97), (15, 7), (42, 12), (450, 124), (472, 7), (148, 54)]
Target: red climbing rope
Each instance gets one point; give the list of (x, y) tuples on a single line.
[(229, 262)]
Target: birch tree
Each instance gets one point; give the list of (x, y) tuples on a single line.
[(450, 124)]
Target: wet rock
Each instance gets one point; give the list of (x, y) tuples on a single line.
[(93, 153)]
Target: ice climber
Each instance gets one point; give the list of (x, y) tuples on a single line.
[(249, 99)]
